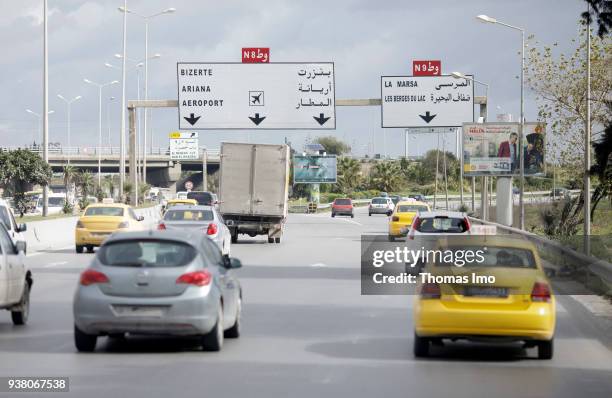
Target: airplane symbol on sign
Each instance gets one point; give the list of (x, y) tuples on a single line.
[(256, 98)]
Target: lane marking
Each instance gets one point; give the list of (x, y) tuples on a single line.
[(55, 264), (318, 265)]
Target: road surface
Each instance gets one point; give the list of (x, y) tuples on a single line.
[(307, 332)]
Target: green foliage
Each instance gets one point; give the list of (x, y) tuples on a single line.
[(85, 182), (562, 218), (386, 176), (332, 145), (99, 194), (68, 208), (20, 169), (127, 192), (602, 168), (349, 174)]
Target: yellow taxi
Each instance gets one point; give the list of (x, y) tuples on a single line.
[(402, 216), (501, 294), (179, 202), (100, 220)]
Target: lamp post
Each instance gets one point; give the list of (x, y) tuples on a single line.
[(110, 147), (39, 116), (487, 19), (122, 129), (100, 87), (146, 19), (68, 104), (45, 113)]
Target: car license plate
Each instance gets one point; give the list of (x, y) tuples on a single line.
[(101, 233), (481, 291), (139, 310)]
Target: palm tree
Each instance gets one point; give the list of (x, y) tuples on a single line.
[(109, 185), (69, 175), (85, 182), (127, 191), (349, 174), (602, 168), (387, 176)]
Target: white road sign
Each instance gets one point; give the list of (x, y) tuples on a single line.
[(426, 101), (184, 146), (256, 96)]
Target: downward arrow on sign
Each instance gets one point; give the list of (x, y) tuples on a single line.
[(192, 119), (321, 119), (428, 118), (257, 119)]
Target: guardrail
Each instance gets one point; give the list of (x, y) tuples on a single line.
[(94, 151), (595, 266)]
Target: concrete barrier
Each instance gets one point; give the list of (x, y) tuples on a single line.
[(58, 233)]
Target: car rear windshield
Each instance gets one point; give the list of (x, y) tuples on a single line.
[(411, 208), (203, 198), (503, 257), (53, 202), (442, 225), (146, 253), (379, 201), (104, 211), (189, 215), (343, 201)]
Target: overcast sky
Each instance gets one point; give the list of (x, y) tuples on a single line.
[(364, 38)]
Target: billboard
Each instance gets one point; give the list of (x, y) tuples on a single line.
[(493, 149), (314, 169)]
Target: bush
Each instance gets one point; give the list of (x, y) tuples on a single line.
[(68, 208)]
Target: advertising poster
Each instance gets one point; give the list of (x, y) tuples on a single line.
[(314, 169)]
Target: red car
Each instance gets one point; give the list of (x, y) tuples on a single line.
[(342, 206)]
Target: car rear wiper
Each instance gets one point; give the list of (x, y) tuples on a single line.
[(130, 264)]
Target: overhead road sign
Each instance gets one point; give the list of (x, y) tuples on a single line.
[(314, 169), (184, 146), (264, 96), (426, 101)]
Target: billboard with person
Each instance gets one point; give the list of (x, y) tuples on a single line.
[(314, 169), (493, 149)]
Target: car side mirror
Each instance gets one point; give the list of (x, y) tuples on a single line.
[(231, 262), (20, 247), (140, 218), (22, 227)]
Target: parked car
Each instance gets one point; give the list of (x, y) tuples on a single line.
[(381, 205), (204, 219), (15, 278), (99, 221), (158, 283), (342, 206), (560, 193), (524, 312), (15, 231)]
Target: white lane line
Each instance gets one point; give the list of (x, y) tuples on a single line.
[(352, 222), (46, 251), (318, 265), (55, 264)]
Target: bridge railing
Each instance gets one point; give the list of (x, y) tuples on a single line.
[(92, 150)]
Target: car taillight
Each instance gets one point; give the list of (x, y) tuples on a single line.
[(212, 229), (430, 291), (80, 224), (540, 292), (395, 218), (416, 223), (161, 226), (467, 223), (90, 277), (124, 224), (197, 278)]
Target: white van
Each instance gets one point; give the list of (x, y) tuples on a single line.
[(15, 231), (56, 204)]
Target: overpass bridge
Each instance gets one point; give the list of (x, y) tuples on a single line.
[(161, 170)]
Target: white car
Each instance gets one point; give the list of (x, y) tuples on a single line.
[(381, 205), (15, 278), (436, 223), (181, 195), (15, 231), (55, 206)]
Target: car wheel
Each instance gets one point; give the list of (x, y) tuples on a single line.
[(277, 240), (352, 215), (234, 331), (369, 214), (545, 349), (270, 239), (389, 213), (213, 340), (421, 346), (79, 249), (20, 317), (90, 249), (235, 238), (391, 238), (84, 342)]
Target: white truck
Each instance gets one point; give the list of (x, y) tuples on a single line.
[(253, 189)]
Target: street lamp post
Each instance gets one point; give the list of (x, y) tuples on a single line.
[(100, 86), (45, 113), (110, 146), (122, 130), (68, 104), (487, 19), (146, 19), (39, 116)]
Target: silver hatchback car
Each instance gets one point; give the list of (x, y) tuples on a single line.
[(158, 283)]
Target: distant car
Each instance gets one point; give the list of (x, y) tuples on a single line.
[(204, 198), (181, 195), (381, 205), (204, 219), (560, 193), (15, 231), (342, 206), (99, 221), (516, 191), (178, 202), (402, 217), (55, 205), (395, 199), (383, 195), (158, 283), (15, 278), (418, 196), (520, 306)]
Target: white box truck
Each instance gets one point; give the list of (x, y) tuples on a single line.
[(253, 189)]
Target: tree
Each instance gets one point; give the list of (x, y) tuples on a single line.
[(69, 174), (85, 182), (349, 174), (109, 184), (127, 192), (387, 176), (602, 11), (332, 145), (20, 169), (602, 168), (560, 86)]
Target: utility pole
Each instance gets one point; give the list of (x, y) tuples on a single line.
[(587, 144), (205, 170), (123, 104), (45, 115)]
